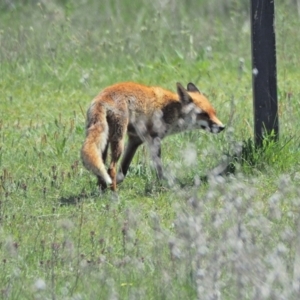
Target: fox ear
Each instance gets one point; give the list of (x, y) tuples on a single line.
[(192, 88), (184, 97)]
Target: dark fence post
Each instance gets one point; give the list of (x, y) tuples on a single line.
[(264, 76)]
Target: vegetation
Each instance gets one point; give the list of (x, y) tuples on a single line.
[(235, 237)]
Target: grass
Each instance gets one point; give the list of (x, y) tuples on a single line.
[(230, 238)]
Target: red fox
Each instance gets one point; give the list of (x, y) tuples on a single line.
[(146, 114)]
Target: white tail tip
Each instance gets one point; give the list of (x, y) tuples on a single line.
[(108, 179)]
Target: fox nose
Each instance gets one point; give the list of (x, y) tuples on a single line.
[(221, 127), (218, 128)]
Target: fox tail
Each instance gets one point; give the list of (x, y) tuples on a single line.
[(95, 142)]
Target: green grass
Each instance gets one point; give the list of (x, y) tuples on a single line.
[(235, 237)]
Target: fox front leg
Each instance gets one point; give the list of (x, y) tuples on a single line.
[(155, 152)]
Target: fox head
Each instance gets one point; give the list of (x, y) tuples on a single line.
[(196, 110)]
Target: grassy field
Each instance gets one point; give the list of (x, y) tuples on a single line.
[(229, 238)]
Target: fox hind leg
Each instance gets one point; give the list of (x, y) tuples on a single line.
[(116, 151), (101, 182)]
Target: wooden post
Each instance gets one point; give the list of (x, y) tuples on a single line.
[(264, 76)]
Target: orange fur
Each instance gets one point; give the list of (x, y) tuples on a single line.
[(145, 114)]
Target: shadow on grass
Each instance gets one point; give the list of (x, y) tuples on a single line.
[(226, 167), (77, 199), (70, 200), (245, 153)]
